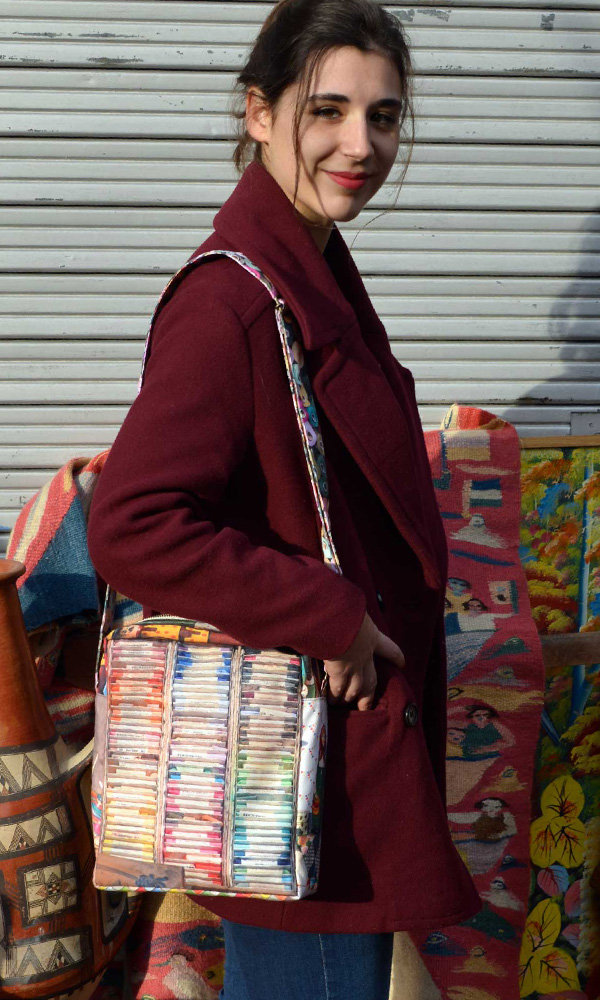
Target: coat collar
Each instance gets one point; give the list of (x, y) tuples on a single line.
[(326, 294), (259, 220)]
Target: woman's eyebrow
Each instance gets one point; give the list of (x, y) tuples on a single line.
[(386, 102)]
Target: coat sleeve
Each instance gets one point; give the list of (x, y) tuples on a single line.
[(154, 532)]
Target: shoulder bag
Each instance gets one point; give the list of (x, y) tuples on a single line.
[(209, 757)]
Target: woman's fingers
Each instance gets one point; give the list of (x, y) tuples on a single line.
[(337, 686), (358, 685), (366, 696), (387, 648), (365, 704), (353, 678), (354, 685), (361, 688)]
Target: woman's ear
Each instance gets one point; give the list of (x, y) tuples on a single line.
[(258, 116)]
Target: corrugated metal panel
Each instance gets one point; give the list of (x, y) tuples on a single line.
[(209, 36), (115, 154), (106, 307), (138, 105), (402, 246), (442, 176)]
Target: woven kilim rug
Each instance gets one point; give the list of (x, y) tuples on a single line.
[(175, 950), (59, 589), (495, 690)]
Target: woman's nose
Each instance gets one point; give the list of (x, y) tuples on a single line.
[(356, 139)]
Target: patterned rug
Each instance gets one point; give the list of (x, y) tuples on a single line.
[(175, 950), (538, 935), (495, 685), (72, 711), (59, 590)]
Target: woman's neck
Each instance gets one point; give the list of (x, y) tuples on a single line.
[(319, 234)]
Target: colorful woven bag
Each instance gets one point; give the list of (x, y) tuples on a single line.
[(209, 756)]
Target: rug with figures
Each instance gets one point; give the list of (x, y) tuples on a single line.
[(523, 756), (495, 685)]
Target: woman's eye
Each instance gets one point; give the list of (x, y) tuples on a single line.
[(326, 112), (385, 119), (380, 117)]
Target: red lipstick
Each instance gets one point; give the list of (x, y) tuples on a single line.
[(351, 181)]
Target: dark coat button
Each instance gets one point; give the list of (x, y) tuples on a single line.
[(411, 714), (380, 601)]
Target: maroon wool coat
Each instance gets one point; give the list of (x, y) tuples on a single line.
[(204, 510)]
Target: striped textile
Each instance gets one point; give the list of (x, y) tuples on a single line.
[(60, 588)]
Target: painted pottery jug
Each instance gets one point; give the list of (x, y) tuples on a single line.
[(57, 932)]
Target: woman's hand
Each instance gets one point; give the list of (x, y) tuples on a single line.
[(353, 676)]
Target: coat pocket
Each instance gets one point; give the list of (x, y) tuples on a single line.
[(369, 759)]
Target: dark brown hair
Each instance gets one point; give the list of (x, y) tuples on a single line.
[(290, 47)]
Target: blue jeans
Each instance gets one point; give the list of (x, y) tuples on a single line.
[(283, 965)]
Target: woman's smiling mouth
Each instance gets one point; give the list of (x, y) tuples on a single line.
[(353, 182)]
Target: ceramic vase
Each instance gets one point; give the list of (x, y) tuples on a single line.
[(57, 932)]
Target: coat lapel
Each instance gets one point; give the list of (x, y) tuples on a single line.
[(359, 401), (358, 385)]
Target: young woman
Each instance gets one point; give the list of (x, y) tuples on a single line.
[(204, 507)]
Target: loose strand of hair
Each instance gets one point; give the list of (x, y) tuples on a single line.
[(394, 206)]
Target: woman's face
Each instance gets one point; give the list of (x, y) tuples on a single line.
[(351, 127)]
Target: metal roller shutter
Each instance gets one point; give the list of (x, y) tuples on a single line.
[(114, 156)]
